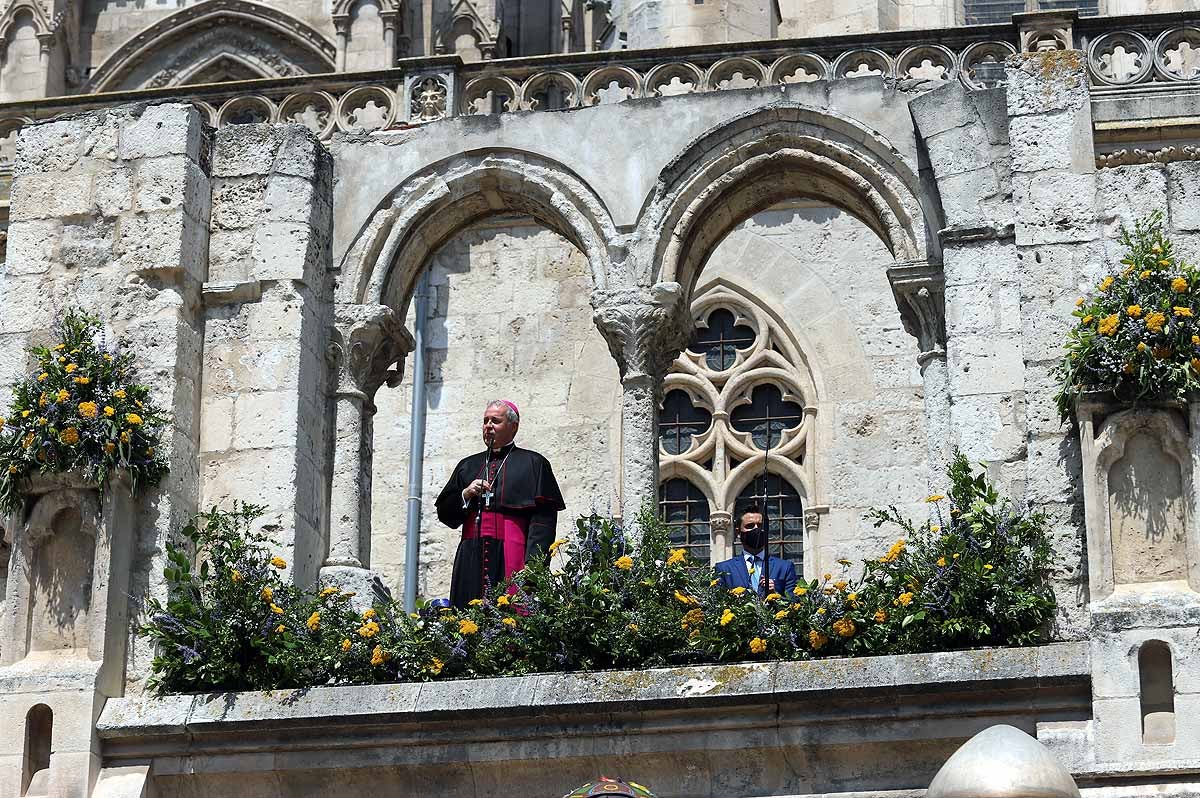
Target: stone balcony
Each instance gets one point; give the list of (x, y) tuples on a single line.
[(778, 728)]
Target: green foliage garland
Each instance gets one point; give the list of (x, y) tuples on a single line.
[(977, 577), (79, 411), (1139, 336)]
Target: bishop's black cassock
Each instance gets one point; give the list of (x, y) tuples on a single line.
[(518, 526)]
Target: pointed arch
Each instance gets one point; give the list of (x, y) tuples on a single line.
[(772, 154), (277, 43), (43, 24), (431, 206)]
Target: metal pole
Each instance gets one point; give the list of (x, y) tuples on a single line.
[(416, 449)]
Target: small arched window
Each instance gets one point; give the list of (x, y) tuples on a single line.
[(1157, 690), (39, 732)]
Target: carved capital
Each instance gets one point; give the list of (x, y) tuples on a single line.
[(645, 328), (720, 522), (341, 24), (366, 342), (812, 521), (920, 291), (1046, 30)]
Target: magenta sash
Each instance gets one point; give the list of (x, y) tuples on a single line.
[(510, 530)]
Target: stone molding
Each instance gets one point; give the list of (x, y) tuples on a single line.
[(1135, 157)]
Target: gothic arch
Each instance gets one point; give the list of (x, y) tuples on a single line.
[(431, 206), (42, 23), (343, 8), (277, 44), (765, 156)]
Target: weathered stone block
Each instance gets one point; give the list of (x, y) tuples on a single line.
[(1046, 81), (47, 196), (1183, 195), (168, 129), (1055, 206), (264, 420)]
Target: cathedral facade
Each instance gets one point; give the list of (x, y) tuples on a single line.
[(797, 251)]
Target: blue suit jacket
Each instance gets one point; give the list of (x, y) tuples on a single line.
[(733, 574)]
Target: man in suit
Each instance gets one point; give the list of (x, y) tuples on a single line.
[(746, 569)]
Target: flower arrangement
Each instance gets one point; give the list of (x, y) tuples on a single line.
[(1138, 337), (79, 410), (975, 577)]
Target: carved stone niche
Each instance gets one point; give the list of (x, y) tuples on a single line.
[(63, 630), (66, 590), (1140, 496)]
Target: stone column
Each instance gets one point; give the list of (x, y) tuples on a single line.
[(920, 293), (367, 342), (645, 330), (341, 28)]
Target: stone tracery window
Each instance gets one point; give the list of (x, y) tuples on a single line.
[(736, 424), (984, 12)]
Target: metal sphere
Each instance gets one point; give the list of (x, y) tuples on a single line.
[(1002, 762)]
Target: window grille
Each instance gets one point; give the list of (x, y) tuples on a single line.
[(986, 12)]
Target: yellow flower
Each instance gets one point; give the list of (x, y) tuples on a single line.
[(346, 644), (63, 395), (683, 599), (82, 380), (368, 629), (894, 552), (120, 394), (125, 436), (313, 621), (150, 452), (737, 591), (108, 358), (941, 562), (817, 640), (12, 469), (554, 546), (1145, 275), (828, 577), (821, 611), (1164, 262), (369, 613), (27, 441), (1179, 285), (880, 616), (1156, 320), (133, 419), (1079, 302), (987, 567), (43, 376), (1141, 347), (502, 601), (905, 599), (69, 436), (280, 628), (88, 409), (109, 412), (279, 562), (62, 360), (235, 575), (758, 645), (267, 594), (677, 556), (435, 667), (844, 627), (467, 627), (43, 422), (692, 618), (1127, 368), (275, 608), (937, 497), (1185, 313), (799, 591), (779, 616), (71, 367), (726, 616), (956, 556), (624, 562), (1087, 320), (509, 621), (840, 584), (773, 597), (377, 656), (1134, 311), (633, 627), (25, 413), (1108, 325), (327, 592), (1106, 283)]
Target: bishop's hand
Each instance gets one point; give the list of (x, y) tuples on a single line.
[(475, 489)]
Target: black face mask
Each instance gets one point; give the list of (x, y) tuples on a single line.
[(754, 538)]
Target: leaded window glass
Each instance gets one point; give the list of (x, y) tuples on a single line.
[(684, 508), (720, 339), (680, 421), (767, 416)]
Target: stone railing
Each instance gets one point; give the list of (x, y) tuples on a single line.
[(1122, 52)]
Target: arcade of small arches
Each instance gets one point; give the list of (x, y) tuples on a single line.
[(719, 398)]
